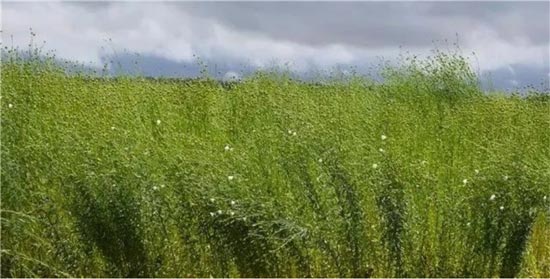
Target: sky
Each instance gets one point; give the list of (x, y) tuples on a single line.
[(511, 40)]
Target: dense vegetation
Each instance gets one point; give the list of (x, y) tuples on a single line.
[(422, 175)]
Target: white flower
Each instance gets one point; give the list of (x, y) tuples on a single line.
[(155, 188), (374, 166), (230, 177), (383, 137), (233, 203), (220, 212), (231, 213), (162, 185), (424, 162), (505, 177), (10, 106), (501, 207), (244, 218), (476, 171), (492, 197), (381, 150), (465, 181), (212, 199), (320, 160), (212, 214), (228, 148), (158, 121), (293, 133), (290, 132), (544, 198), (112, 127), (468, 224)]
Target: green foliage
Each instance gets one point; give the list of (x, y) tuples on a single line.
[(423, 175)]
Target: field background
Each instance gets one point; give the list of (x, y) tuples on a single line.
[(423, 175)]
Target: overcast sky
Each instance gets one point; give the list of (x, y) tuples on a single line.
[(511, 39)]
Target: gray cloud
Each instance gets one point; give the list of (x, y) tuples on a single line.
[(510, 20), (518, 77), (305, 35), (375, 24)]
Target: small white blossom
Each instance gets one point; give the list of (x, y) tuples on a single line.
[(10, 106), (228, 148), (293, 133), (212, 199), (290, 132), (158, 121), (501, 207), (231, 177), (544, 198), (155, 188), (476, 171), (465, 181), (505, 177), (381, 150), (468, 224), (233, 203), (424, 162), (220, 212), (492, 198), (162, 185), (374, 166), (231, 213), (383, 137), (112, 127), (320, 160), (244, 218), (212, 214)]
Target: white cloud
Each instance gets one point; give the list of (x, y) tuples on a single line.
[(494, 52), (231, 76), (79, 32), (82, 34)]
